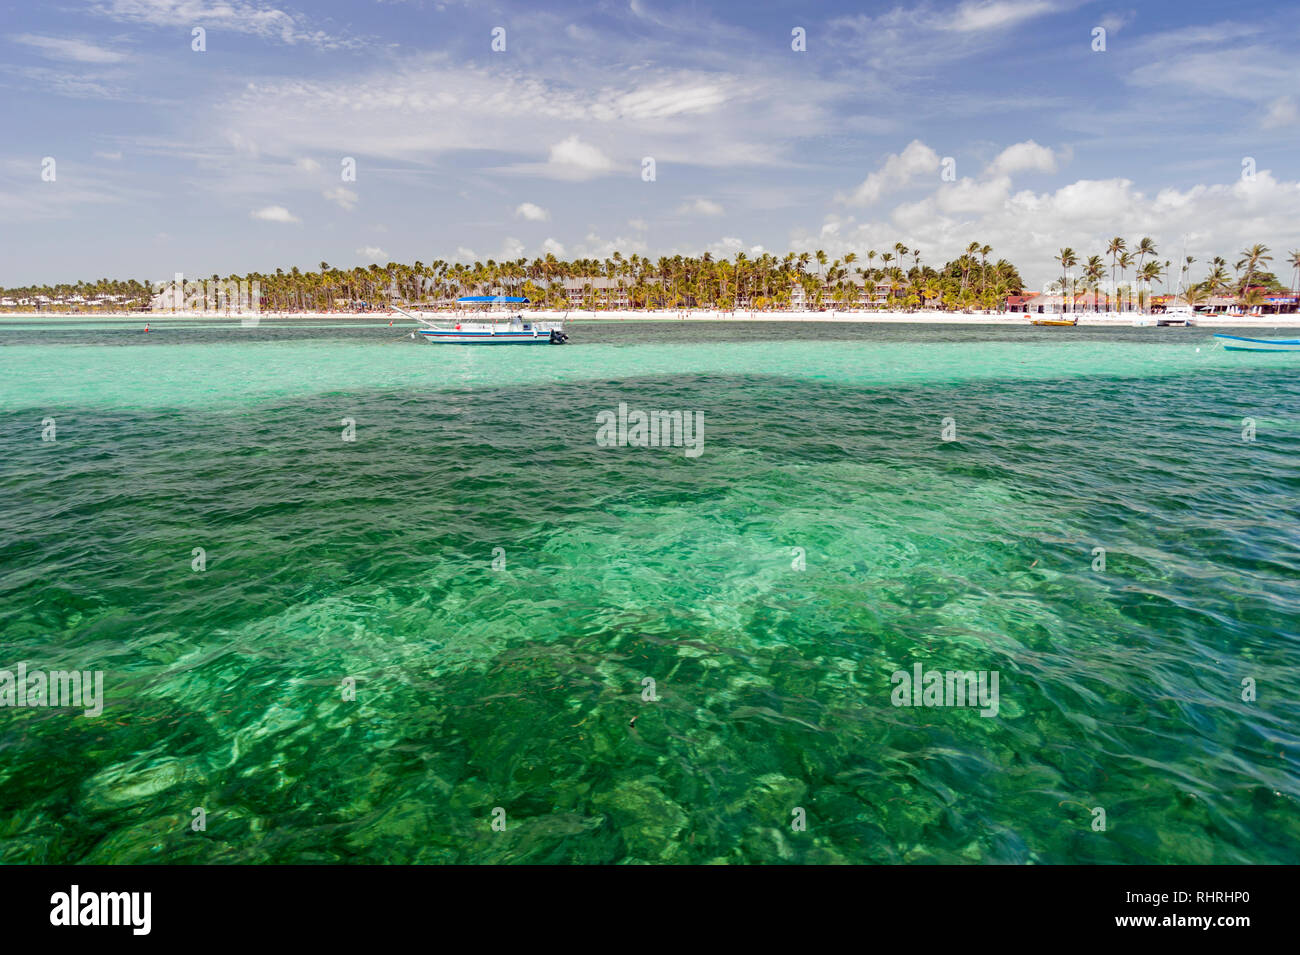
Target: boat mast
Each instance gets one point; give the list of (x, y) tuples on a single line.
[(1182, 267)]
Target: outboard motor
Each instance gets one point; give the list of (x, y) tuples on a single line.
[(558, 337)]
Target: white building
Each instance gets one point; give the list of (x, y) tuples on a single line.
[(598, 290)]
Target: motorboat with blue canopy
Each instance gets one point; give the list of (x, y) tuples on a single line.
[(509, 330)]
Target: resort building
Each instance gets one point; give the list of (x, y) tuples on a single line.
[(1039, 303), (878, 297), (1272, 304), (597, 290)]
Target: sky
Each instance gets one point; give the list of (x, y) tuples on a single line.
[(506, 129)]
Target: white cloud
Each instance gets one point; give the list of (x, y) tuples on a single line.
[(308, 165), (427, 106), (373, 252), (511, 249), (345, 198), (71, 85), (1114, 22), (60, 48), (897, 171), (977, 15), (571, 158), (554, 248), (726, 247), (664, 99), (594, 247), (111, 156), (1023, 156), (1260, 73), (969, 195), (533, 213), (1281, 112), (238, 16), (700, 207), (638, 224), (274, 214)]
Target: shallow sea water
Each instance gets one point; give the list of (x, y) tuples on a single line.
[(826, 537)]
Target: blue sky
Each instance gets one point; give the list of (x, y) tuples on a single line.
[(230, 159)]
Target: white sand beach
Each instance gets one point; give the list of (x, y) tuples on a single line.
[(1092, 319)]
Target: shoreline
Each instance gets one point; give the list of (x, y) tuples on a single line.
[(1086, 319)]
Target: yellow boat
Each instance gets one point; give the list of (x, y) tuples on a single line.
[(1053, 321)]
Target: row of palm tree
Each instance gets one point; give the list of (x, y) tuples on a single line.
[(123, 293), (1248, 283), (893, 278), (765, 281)]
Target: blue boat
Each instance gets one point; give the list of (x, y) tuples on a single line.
[(1237, 343)]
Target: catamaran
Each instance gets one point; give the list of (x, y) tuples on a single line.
[(1180, 314), (1237, 343), (513, 330)]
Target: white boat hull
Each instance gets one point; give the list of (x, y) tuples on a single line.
[(516, 331), (453, 337), (1238, 343)]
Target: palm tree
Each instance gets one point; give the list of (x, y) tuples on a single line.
[(1068, 260), (967, 261), (901, 251), (1145, 247), (1125, 260), (1147, 274), (1251, 298), (1185, 270), (1254, 257), (1093, 270), (1114, 249), (1217, 279)]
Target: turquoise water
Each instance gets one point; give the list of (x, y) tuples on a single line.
[(514, 688)]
